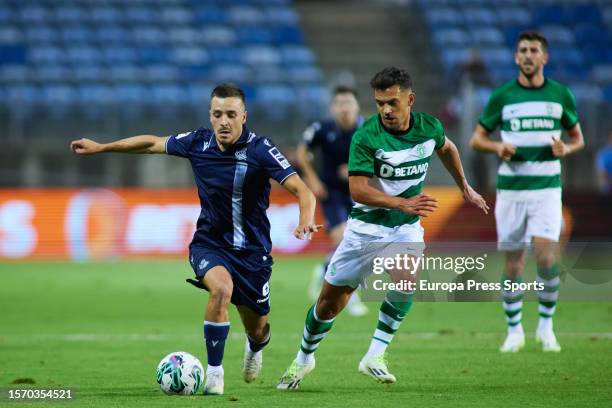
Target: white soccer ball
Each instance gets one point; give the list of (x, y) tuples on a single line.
[(180, 373)]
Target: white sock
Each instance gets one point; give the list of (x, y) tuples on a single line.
[(377, 348), (303, 358), (212, 369), (545, 324), (516, 329)]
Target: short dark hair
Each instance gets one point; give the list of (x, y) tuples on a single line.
[(533, 36), (344, 89), (227, 90), (390, 76)]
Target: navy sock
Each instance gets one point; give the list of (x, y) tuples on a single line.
[(215, 335), (254, 346)]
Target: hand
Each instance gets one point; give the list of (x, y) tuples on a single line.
[(85, 146), (505, 151), (319, 190), (471, 196), (342, 172), (420, 205), (304, 231), (559, 148)]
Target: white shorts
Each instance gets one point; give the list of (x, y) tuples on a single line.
[(518, 221), (352, 261)]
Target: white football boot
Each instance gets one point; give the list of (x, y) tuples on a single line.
[(515, 341), (214, 381), (548, 340), (252, 363), (375, 366), (294, 375)]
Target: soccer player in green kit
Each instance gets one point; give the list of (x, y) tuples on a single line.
[(532, 111), (388, 162)]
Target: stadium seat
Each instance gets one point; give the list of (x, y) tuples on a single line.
[(12, 73), (176, 15), (245, 15), (446, 17), (10, 35), (187, 55), (281, 16), (35, 14), (296, 54), (219, 35), (487, 36), (450, 37), (69, 14), (261, 54), (106, 15), (479, 16)]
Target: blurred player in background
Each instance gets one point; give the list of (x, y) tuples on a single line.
[(230, 250), (388, 163), (332, 139), (531, 111)]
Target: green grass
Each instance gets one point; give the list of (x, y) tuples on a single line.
[(102, 328)]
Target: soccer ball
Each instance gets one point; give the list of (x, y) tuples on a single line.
[(180, 373)]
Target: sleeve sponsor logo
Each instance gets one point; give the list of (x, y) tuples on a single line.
[(181, 135), (278, 156)]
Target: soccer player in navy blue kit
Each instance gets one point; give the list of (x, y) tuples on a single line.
[(331, 138), (230, 250)]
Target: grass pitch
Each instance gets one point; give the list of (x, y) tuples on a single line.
[(101, 329)]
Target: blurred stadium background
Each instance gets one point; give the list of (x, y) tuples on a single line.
[(106, 69)]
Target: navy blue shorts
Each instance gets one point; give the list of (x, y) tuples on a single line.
[(336, 208), (250, 273)]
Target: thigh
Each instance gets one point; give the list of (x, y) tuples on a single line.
[(209, 265), (545, 219), (251, 278), (511, 224), (351, 262)]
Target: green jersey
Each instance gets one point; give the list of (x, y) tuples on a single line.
[(529, 119), (397, 165)]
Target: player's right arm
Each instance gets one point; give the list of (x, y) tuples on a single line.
[(363, 193), (135, 144), (481, 141)]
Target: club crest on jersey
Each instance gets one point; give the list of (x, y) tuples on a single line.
[(241, 154), (421, 151)]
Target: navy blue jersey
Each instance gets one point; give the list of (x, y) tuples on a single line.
[(334, 144), (233, 186)]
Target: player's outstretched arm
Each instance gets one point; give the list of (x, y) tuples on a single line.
[(307, 202), (135, 144), (451, 160), (363, 193), (312, 180), (576, 142), (481, 141)]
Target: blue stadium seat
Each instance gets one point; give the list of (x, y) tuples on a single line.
[(514, 16), (125, 73), (84, 55), (149, 55), (12, 73), (70, 14), (586, 92), (95, 94), (269, 74), (41, 34), (254, 35), (199, 93), (46, 55), (35, 14), (229, 73), (304, 74), (169, 94), (552, 14), (119, 54), (77, 34), (261, 54), (288, 35), (23, 96), (52, 73), (450, 37), (226, 55), (453, 57), (602, 73), (445, 17), (141, 14), (219, 35), (210, 15), (245, 15), (176, 15), (487, 36), (149, 36), (161, 73), (89, 73), (61, 94), (296, 54), (130, 93), (558, 35), (479, 16), (10, 35), (186, 55), (106, 15), (192, 73), (184, 35), (7, 15), (607, 93), (312, 100), (282, 16), (275, 100)]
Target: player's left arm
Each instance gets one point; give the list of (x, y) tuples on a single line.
[(307, 203), (449, 155), (575, 143)]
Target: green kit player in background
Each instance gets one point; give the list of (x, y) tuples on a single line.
[(388, 162), (531, 111)]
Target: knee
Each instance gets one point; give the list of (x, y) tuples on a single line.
[(545, 259), (221, 294), (260, 332)]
